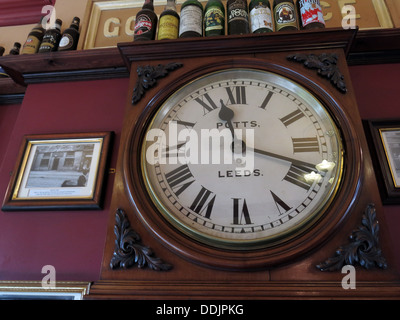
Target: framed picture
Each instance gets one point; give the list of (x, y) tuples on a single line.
[(59, 172), (385, 136), (34, 290)]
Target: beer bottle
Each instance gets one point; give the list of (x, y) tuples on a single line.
[(2, 51), (260, 16), (238, 17), (51, 38), (15, 50), (34, 39), (214, 18), (285, 15), (146, 22), (191, 23), (70, 37), (310, 14), (169, 22)]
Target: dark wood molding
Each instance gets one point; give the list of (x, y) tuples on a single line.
[(375, 47), (361, 47), (210, 290), (239, 44), (65, 66), (10, 92)]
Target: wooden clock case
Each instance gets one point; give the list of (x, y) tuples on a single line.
[(177, 267)]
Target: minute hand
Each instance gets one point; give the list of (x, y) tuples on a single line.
[(284, 158)]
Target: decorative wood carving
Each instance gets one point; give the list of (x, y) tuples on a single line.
[(147, 78), (128, 249), (363, 250), (326, 65)]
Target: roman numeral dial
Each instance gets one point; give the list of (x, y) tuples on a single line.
[(277, 183)]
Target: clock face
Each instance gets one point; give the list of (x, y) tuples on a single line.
[(242, 159)]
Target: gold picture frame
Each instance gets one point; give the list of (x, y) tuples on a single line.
[(34, 290), (59, 172)]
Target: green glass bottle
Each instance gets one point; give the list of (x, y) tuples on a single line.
[(285, 15), (191, 24), (214, 18), (260, 16)]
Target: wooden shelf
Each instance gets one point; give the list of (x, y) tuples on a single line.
[(361, 47)]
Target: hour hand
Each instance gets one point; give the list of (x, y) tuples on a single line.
[(226, 114)]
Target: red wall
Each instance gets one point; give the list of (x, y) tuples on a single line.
[(73, 241), (377, 92)]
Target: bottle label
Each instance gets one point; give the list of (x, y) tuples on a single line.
[(214, 19), (191, 19), (310, 12), (66, 42), (48, 44), (237, 11), (143, 24), (285, 15), (169, 26), (261, 17), (31, 45)]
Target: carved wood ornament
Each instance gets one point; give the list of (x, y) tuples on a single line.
[(147, 78), (326, 65), (363, 249), (129, 250)]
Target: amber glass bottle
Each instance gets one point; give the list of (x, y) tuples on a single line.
[(238, 17), (51, 38), (146, 22), (34, 39), (15, 49), (70, 37)]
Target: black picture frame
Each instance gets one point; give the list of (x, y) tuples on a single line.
[(384, 146)]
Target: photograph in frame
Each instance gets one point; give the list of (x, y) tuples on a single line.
[(391, 143), (384, 144), (59, 172)]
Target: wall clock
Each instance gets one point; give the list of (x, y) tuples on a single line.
[(258, 159), (241, 173), (241, 160)]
